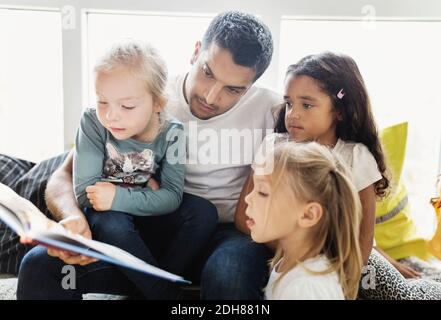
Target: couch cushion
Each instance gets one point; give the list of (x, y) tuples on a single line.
[(395, 230)]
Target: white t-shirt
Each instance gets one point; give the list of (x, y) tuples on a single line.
[(299, 284), (217, 170), (363, 165), (356, 156)]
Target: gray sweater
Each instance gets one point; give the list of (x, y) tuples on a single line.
[(129, 164)]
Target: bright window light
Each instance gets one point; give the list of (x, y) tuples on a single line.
[(31, 90), (176, 45)]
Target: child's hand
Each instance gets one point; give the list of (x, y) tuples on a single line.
[(153, 184), (406, 271), (101, 195)]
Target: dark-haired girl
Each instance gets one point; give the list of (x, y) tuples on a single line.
[(325, 100)]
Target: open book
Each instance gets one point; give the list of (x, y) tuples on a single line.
[(27, 220)]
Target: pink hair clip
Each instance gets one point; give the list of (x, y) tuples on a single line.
[(341, 94)]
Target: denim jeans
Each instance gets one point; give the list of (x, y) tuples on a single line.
[(171, 242), (234, 267)]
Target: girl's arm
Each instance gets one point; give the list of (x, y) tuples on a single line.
[(406, 271), (168, 197), (367, 198), (89, 156)]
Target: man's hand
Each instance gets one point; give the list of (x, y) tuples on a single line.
[(76, 225), (101, 195), (61, 202), (47, 224)]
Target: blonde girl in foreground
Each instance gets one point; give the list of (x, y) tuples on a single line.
[(308, 206)]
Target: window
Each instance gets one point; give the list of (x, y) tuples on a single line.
[(31, 103), (400, 63), (173, 35)]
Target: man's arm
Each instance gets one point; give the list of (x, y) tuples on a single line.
[(59, 194), (61, 202)]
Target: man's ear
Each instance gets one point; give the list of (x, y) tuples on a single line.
[(197, 51), (311, 215)]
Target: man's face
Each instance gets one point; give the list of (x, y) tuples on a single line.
[(215, 83)]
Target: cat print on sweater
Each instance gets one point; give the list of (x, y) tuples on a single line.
[(131, 168)]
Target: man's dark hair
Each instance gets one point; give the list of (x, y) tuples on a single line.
[(246, 37)]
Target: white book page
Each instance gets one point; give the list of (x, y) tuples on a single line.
[(60, 234), (26, 213), (11, 220)]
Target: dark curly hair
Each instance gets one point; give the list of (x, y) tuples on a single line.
[(334, 72)]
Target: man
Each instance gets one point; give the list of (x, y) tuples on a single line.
[(217, 102)]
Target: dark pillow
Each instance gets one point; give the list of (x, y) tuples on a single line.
[(32, 185)]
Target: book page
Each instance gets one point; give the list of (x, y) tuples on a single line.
[(106, 252), (28, 216), (11, 220)]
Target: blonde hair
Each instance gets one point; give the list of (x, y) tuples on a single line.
[(143, 61), (313, 174)]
